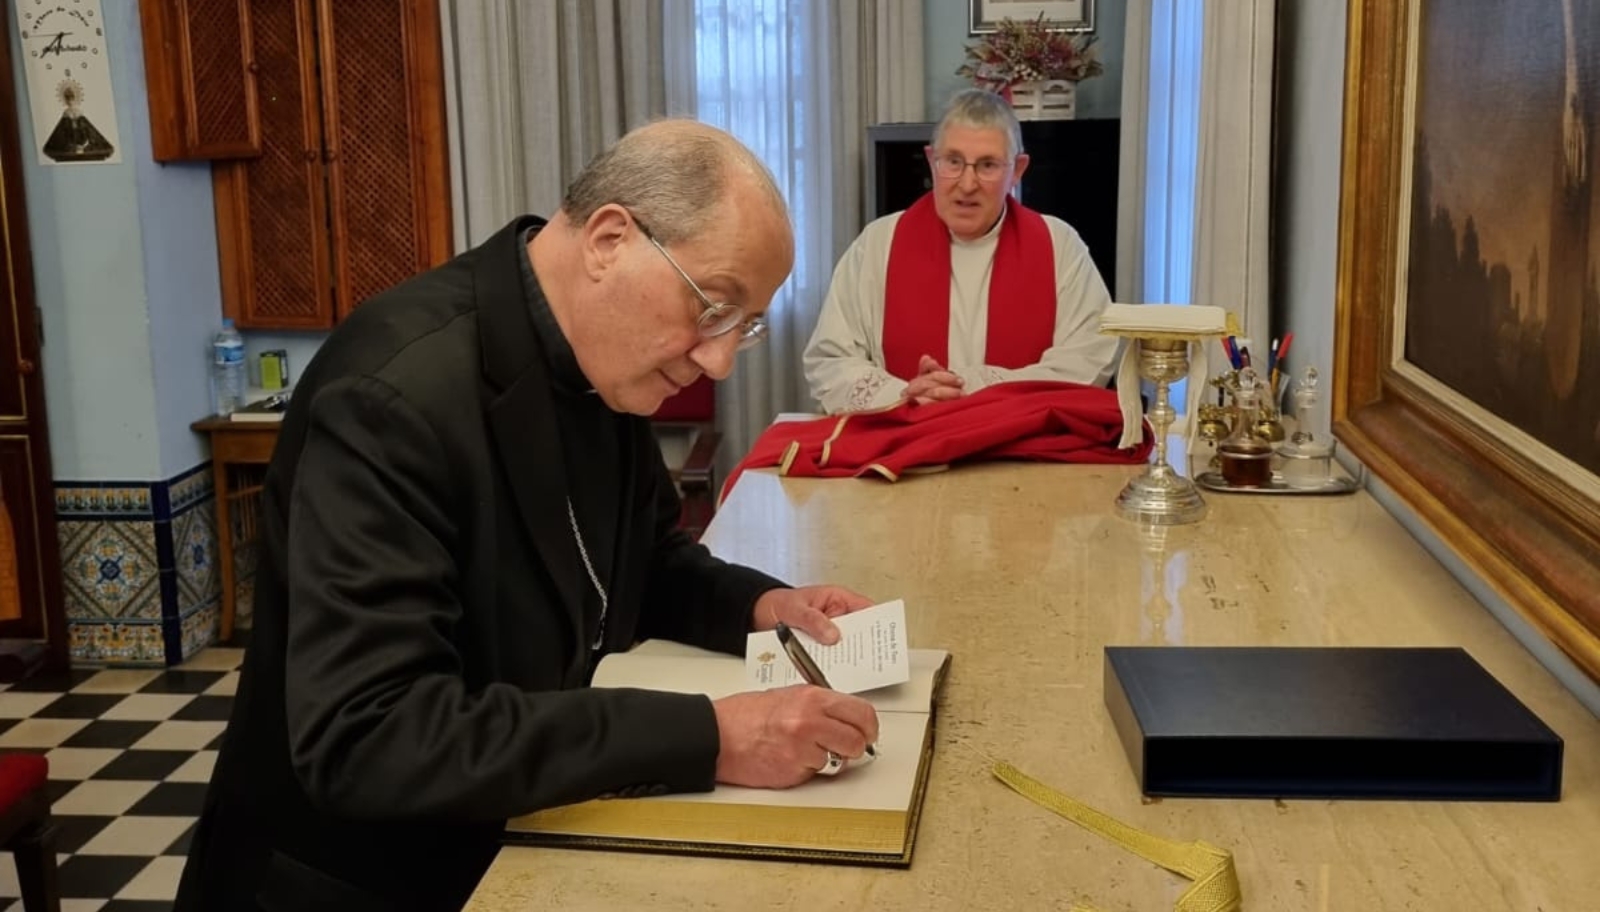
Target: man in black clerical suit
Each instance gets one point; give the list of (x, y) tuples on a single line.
[(465, 510)]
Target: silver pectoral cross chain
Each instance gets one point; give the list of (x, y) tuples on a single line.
[(583, 552)]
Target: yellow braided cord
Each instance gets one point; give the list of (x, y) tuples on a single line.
[(1216, 883)]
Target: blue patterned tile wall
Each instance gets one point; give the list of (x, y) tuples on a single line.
[(139, 568)]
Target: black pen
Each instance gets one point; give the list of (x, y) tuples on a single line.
[(803, 663)]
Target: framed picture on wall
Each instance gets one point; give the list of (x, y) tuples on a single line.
[(1059, 15), (1468, 312)]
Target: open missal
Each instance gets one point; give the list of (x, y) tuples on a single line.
[(866, 815)]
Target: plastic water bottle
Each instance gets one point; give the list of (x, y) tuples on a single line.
[(227, 369)]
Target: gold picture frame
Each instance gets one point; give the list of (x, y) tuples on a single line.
[(1529, 527)]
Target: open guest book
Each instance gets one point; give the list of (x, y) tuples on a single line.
[(866, 815)]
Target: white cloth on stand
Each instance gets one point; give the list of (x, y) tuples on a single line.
[(1193, 322)]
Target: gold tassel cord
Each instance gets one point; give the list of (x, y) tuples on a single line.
[(1216, 883)]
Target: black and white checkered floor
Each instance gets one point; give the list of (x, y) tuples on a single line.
[(130, 753)]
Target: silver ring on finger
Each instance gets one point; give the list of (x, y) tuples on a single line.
[(832, 765)]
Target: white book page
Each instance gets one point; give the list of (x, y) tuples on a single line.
[(872, 652), (669, 666), (884, 784)]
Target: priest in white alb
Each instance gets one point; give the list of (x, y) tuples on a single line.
[(965, 289)]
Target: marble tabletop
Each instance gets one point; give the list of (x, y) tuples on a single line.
[(1025, 573)]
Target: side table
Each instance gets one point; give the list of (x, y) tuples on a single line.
[(239, 450)]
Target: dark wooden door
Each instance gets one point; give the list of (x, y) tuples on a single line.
[(32, 619)]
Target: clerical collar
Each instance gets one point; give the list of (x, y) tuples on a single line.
[(987, 237), (564, 369)]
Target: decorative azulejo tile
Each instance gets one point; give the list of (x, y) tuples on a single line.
[(194, 549), (103, 499), (199, 629), (120, 642), (110, 569), (189, 489), (139, 568)]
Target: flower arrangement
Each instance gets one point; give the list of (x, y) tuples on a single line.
[(1029, 51)]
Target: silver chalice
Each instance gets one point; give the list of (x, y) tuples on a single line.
[(1161, 496)]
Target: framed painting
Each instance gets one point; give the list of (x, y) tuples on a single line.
[(1467, 339), (1059, 15)]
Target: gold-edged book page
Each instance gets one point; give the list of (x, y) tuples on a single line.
[(865, 815)]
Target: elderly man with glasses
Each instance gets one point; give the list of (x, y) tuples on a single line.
[(965, 289), (465, 510)]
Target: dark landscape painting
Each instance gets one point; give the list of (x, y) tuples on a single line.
[(1503, 284)]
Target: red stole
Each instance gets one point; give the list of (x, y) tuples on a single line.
[(916, 305), (1034, 420)]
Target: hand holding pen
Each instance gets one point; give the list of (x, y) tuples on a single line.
[(812, 675), (782, 737)]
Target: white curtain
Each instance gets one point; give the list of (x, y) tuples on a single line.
[(1193, 207), (536, 88), (1234, 178), (1160, 134), (798, 82)]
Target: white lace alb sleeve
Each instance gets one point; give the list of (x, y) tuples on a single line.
[(844, 359)]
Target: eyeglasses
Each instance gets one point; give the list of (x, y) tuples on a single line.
[(718, 317), (951, 167)]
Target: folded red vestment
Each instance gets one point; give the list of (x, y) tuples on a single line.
[(1040, 420)]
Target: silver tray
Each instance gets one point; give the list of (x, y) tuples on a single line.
[(1213, 481)]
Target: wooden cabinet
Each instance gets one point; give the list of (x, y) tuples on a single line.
[(350, 193), (200, 79)]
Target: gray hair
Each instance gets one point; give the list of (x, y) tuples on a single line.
[(981, 109), (672, 175)]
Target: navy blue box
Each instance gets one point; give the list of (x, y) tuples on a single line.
[(1336, 722)]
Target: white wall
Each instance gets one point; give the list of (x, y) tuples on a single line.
[(1310, 112), (88, 268), (181, 281), (125, 274)]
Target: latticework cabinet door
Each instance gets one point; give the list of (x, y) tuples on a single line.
[(351, 192), (200, 79), (272, 212), (388, 180)]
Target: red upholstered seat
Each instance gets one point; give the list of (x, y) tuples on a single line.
[(686, 427), (695, 402), (19, 775), (27, 831)]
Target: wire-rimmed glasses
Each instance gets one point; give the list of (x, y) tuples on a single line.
[(718, 318), (951, 166)]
